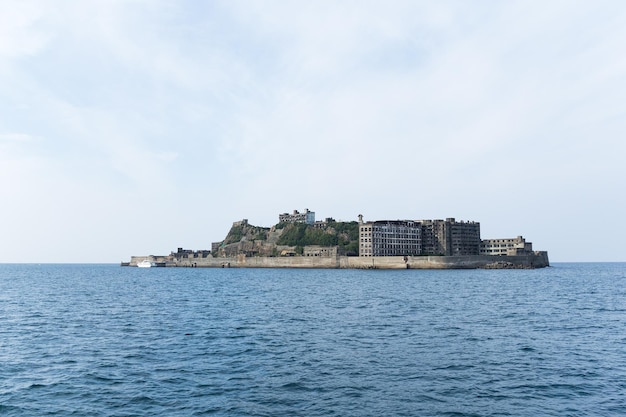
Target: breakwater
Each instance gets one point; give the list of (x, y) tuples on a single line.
[(537, 259)]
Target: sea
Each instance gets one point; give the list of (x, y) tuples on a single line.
[(105, 340)]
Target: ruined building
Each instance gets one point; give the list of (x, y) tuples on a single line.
[(307, 217), (418, 237)]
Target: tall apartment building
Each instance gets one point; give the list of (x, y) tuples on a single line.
[(464, 238), (435, 239), (307, 217), (390, 238), (424, 237)]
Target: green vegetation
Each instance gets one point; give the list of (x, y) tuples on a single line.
[(351, 249), (238, 232), (350, 229), (348, 236), (342, 234), (301, 234), (234, 235)]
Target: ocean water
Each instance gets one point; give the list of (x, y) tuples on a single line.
[(103, 340)]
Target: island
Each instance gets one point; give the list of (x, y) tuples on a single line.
[(299, 241)]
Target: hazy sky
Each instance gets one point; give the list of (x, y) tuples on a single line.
[(136, 127)]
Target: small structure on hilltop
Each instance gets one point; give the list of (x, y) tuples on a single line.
[(307, 217)]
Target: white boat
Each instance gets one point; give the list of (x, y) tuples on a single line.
[(146, 264)]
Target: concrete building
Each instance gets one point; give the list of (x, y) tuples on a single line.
[(215, 246), (322, 251), (188, 253), (322, 224), (464, 238), (435, 239), (418, 237), (307, 217), (390, 238), (365, 238), (507, 246)]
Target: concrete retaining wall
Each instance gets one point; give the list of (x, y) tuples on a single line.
[(533, 260)]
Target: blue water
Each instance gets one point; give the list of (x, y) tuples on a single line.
[(102, 340)]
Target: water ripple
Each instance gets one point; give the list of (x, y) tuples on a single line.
[(101, 340)]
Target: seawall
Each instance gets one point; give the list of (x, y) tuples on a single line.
[(538, 259)]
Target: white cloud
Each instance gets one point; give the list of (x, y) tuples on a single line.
[(19, 35), (15, 137)]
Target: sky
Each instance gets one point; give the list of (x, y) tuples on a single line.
[(137, 127)]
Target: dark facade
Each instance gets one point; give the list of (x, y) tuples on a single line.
[(464, 238), (434, 237), (425, 237)]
